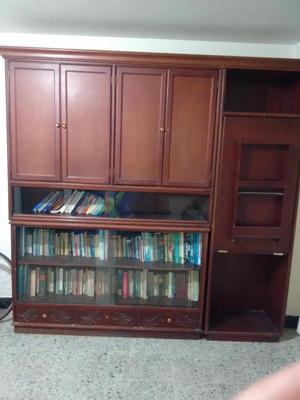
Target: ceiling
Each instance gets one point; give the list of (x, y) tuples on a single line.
[(258, 21)]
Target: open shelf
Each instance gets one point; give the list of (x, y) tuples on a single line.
[(244, 321), (247, 296), (247, 325), (259, 114), (258, 91)]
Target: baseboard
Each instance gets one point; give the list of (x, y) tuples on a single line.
[(291, 322)]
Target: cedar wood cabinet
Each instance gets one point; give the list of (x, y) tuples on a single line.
[(196, 161), (165, 132), (60, 122)]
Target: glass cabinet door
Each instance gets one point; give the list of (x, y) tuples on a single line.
[(109, 267), (109, 204)]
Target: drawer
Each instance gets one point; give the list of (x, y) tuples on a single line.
[(50, 315), (106, 317), (170, 319)]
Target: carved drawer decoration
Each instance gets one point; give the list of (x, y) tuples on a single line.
[(122, 318), (61, 317), (27, 315), (91, 318), (186, 320), (155, 320), (163, 320)]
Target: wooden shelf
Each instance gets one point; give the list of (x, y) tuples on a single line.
[(260, 232), (261, 184), (259, 114), (159, 301), (246, 324), (91, 262), (74, 222)]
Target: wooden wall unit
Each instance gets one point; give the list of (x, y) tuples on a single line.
[(143, 201)]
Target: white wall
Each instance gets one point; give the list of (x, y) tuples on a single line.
[(4, 227), (143, 45)]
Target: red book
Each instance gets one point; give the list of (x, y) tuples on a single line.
[(125, 284)]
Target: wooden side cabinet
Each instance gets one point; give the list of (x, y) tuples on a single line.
[(256, 205)]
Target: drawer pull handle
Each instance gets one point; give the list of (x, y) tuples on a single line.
[(169, 320), (44, 316), (106, 316)]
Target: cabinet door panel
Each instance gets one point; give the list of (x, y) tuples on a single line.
[(34, 111), (86, 104), (190, 127), (139, 119), (256, 195)]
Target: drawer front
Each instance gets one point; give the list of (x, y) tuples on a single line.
[(44, 315), (114, 318), (170, 319)]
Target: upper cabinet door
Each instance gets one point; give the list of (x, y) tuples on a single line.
[(190, 127), (140, 109), (258, 184), (34, 112), (86, 123)]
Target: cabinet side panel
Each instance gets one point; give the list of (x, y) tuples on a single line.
[(190, 128), (33, 113), (86, 106)]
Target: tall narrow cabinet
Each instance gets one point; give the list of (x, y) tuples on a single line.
[(255, 212)]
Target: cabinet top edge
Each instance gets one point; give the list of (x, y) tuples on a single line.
[(11, 53)]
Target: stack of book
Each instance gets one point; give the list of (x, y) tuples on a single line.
[(71, 202)]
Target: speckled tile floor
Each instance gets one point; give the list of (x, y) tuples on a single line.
[(42, 367)]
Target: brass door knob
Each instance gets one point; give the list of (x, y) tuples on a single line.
[(161, 129), (64, 126), (57, 125)]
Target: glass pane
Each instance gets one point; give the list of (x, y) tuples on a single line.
[(110, 204), (109, 267)]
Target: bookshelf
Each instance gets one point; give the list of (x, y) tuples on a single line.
[(151, 195), (111, 268), (259, 170)]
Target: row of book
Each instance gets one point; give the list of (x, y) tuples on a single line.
[(178, 247), (71, 202), (39, 281), (137, 284), (145, 284)]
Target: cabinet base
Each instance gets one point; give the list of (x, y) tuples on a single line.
[(110, 332), (243, 336)]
